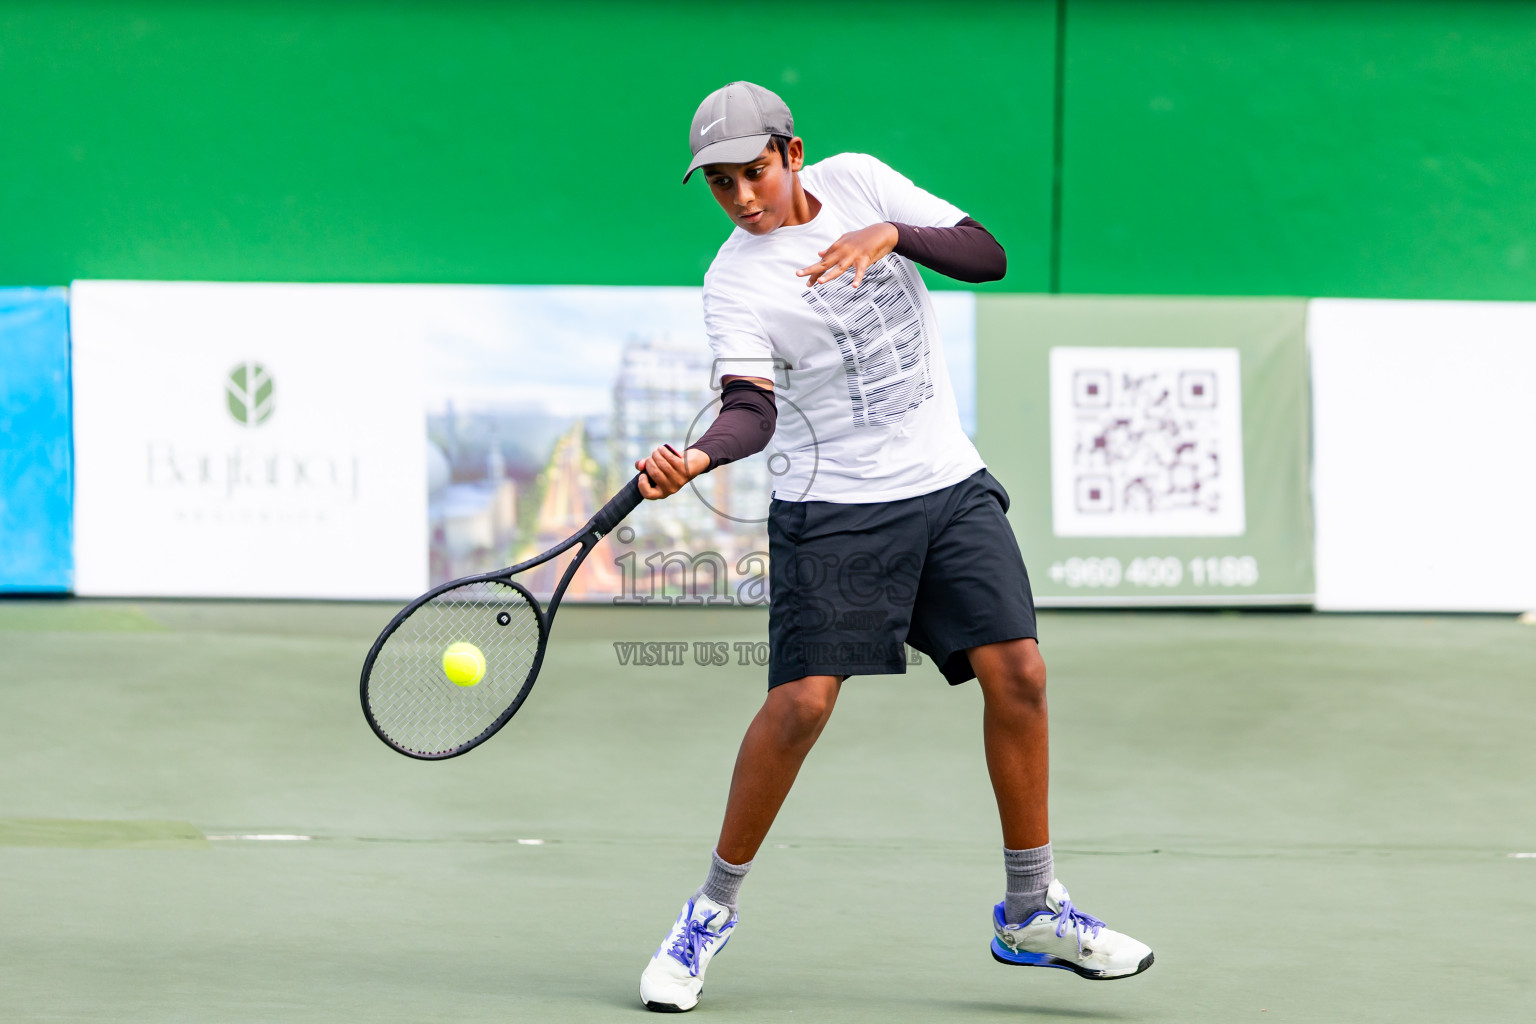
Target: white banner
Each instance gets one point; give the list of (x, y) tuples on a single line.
[(1423, 474), (248, 440), (363, 441)]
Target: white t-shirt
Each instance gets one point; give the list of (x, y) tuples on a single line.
[(865, 408)]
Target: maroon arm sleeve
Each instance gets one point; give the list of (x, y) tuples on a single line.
[(744, 427), (965, 252)]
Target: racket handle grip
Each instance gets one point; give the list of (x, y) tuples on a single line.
[(621, 505)]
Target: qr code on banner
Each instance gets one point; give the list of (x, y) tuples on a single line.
[(1146, 442)]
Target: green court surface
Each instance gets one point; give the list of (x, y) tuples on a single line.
[(1309, 818)]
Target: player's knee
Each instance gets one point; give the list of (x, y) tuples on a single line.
[(801, 708), (1031, 681), (1023, 684)]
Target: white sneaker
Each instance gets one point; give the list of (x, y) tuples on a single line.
[(674, 978), (1066, 938)]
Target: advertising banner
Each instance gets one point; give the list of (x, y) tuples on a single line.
[(1424, 478), (35, 484), (248, 440), (541, 399), (1155, 450), (367, 440)]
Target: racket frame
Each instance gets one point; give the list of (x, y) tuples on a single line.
[(587, 537)]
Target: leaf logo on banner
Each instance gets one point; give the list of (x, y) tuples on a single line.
[(249, 394)]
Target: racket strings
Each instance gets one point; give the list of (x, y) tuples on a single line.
[(410, 696)]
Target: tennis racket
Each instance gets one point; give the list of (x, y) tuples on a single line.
[(408, 697)]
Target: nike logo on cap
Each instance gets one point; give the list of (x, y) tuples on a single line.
[(705, 130)]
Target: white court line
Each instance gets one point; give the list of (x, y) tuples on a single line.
[(279, 837), (1524, 856)]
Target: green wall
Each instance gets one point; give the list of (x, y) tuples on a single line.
[(1266, 148), (1217, 147), (479, 142)]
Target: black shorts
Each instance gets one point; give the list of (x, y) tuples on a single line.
[(851, 583)]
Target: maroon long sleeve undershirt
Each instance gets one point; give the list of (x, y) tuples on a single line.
[(745, 425), (966, 251)]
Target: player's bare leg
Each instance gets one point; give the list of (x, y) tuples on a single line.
[(1017, 735), (782, 733), (1036, 925), (774, 748)]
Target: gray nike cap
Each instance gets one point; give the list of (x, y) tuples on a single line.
[(734, 123)]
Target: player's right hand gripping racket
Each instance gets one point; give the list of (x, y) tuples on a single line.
[(408, 697)]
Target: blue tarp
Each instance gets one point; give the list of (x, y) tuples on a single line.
[(36, 459)]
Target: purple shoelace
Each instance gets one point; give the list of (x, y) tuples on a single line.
[(1070, 916), (690, 942)]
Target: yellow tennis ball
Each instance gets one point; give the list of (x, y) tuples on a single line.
[(463, 664)]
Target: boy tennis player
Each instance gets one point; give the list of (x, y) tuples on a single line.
[(885, 527)]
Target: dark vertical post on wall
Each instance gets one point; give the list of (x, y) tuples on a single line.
[(1058, 117)]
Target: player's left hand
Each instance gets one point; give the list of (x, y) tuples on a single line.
[(854, 251), (665, 472)]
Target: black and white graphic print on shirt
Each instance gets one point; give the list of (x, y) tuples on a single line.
[(880, 334)]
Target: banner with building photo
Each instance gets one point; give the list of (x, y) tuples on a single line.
[(249, 440), (1156, 450), (365, 441), (541, 399)]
